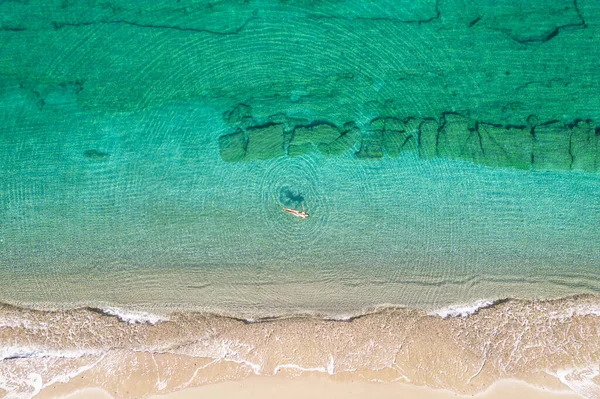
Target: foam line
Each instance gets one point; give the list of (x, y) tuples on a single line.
[(134, 317), (464, 310)]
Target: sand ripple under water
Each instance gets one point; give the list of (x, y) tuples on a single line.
[(551, 343)]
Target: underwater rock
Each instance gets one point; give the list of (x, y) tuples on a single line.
[(343, 143), (457, 139), (377, 124), (551, 146), (453, 133), (195, 16), (398, 137), (306, 138), (506, 146), (241, 114), (95, 155), (289, 123), (584, 147), (300, 149), (264, 142), (412, 124), (530, 22), (417, 12), (371, 147), (372, 141), (428, 131), (232, 147), (393, 141)]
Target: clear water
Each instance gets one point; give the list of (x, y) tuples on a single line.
[(113, 186)]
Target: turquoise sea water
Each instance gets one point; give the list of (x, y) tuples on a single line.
[(121, 179)]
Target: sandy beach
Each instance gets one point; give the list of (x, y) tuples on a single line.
[(318, 386), (462, 351)]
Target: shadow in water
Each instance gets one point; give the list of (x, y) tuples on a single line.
[(291, 199)]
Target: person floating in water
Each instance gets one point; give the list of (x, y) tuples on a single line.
[(299, 214)]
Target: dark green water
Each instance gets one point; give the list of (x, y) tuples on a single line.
[(445, 151)]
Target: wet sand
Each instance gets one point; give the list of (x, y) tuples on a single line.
[(315, 386), (551, 344)]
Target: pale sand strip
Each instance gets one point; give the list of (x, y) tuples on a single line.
[(544, 343), (303, 387)]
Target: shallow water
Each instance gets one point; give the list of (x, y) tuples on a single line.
[(445, 151)]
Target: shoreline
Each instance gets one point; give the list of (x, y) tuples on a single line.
[(547, 343), (148, 313), (305, 294), (311, 385)]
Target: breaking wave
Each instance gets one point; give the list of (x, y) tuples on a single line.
[(464, 348), (134, 317), (462, 310)]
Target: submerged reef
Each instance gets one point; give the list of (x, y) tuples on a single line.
[(538, 145)]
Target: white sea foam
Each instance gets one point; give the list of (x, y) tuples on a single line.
[(581, 380), (13, 322), (343, 317), (134, 317), (584, 309), (292, 366), (10, 352), (462, 310), (29, 385), (21, 388), (256, 368), (588, 310)]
